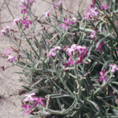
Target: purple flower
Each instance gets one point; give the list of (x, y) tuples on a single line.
[(79, 59), (77, 52), (102, 76), (23, 9), (27, 107), (113, 67), (56, 3), (58, 48), (104, 7), (11, 58), (52, 53), (29, 97), (92, 4), (16, 20), (69, 51), (39, 100), (74, 20), (91, 13), (100, 46), (70, 61), (66, 23), (22, 1), (4, 30), (93, 34), (26, 22), (80, 49), (7, 52), (46, 13)]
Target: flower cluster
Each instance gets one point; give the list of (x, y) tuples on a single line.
[(102, 73), (93, 34), (113, 67), (10, 58), (24, 5), (91, 12), (16, 20), (26, 22), (104, 7), (52, 51), (31, 98), (102, 76), (77, 53), (67, 22)]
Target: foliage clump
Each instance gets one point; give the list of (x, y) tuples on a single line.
[(71, 66)]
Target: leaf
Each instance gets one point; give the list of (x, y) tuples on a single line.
[(94, 104)]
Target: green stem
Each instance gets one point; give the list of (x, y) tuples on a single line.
[(65, 85), (30, 44), (100, 88), (78, 80)]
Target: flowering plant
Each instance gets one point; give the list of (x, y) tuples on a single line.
[(69, 73)]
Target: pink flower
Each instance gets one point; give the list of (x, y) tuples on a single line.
[(79, 59), (92, 4), (75, 47), (100, 46), (69, 51), (69, 63), (26, 22), (29, 97), (52, 53), (66, 23), (46, 13), (7, 52), (83, 50), (91, 13), (77, 52), (56, 3), (39, 100), (22, 2), (4, 30), (23, 9), (58, 48), (93, 34), (74, 20), (104, 7), (11, 58), (27, 107), (16, 20), (113, 67), (102, 76)]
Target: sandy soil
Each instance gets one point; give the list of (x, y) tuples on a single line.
[(10, 104)]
